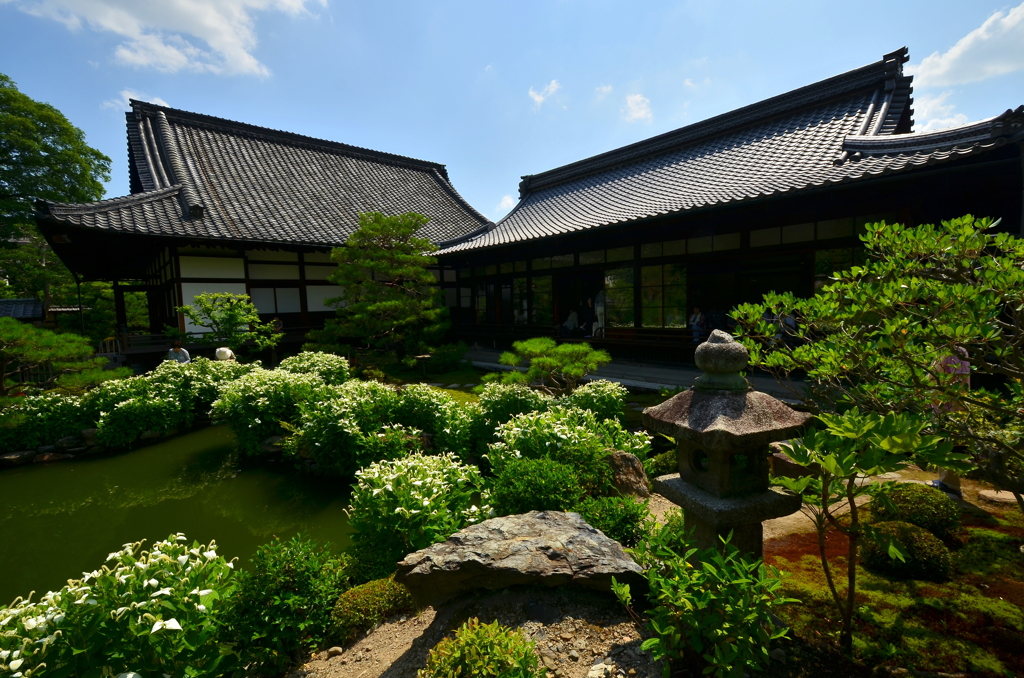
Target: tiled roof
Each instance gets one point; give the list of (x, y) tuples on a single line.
[(22, 309), (202, 177), (849, 127)]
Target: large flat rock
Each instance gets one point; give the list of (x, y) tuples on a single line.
[(546, 548)]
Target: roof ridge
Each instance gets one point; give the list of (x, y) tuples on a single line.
[(281, 136), (819, 92)]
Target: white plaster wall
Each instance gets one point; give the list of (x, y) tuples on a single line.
[(317, 294), (211, 267)]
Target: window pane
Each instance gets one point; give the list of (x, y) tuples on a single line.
[(650, 250), (674, 295), (619, 296), (520, 267), (492, 269), (675, 317), (620, 317), (506, 267), (620, 254), (618, 277), (652, 317), (650, 297), (650, 275), (674, 274), (674, 248), (519, 301), (595, 257), (541, 264), (543, 305), (562, 260)]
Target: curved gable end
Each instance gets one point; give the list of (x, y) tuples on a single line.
[(210, 179)]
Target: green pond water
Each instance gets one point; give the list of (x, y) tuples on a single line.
[(60, 520)]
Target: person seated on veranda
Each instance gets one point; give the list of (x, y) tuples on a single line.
[(178, 353)]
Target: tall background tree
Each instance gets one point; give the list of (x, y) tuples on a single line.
[(391, 305), (44, 157)]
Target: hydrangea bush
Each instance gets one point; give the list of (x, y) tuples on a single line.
[(333, 369), (571, 436), (256, 404), (152, 612), (606, 399), (408, 504), (40, 419)]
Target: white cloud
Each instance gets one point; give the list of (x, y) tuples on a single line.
[(994, 48), (638, 107), (934, 113), (689, 83), (124, 95), (539, 97), (215, 36), (507, 203), (602, 91)]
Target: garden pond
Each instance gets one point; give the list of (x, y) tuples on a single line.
[(60, 520)]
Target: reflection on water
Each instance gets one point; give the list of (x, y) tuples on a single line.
[(59, 520)]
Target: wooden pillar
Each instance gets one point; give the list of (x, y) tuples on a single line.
[(121, 314)]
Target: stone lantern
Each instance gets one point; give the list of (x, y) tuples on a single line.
[(723, 429)]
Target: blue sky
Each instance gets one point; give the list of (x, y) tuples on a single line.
[(494, 90)]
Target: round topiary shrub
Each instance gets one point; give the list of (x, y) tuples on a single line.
[(926, 556), (333, 369), (363, 607), (620, 518), (606, 399), (483, 651), (923, 506), (525, 485)]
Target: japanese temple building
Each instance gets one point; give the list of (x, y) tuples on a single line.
[(771, 196)]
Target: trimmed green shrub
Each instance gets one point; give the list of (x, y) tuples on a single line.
[(255, 405), (408, 504), (620, 518), (501, 402), (571, 436), (333, 369), (422, 407), (157, 612), (109, 394), (282, 606), (32, 421), (606, 399), (365, 606), (483, 651), (662, 464), (460, 432), (925, 556), (123, 425), (920, 505), (543, 484), (713, 613)]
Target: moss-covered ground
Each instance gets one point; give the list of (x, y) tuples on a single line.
[(973, 623)]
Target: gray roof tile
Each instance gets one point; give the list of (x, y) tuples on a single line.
[(811, 137), (202, 177)]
